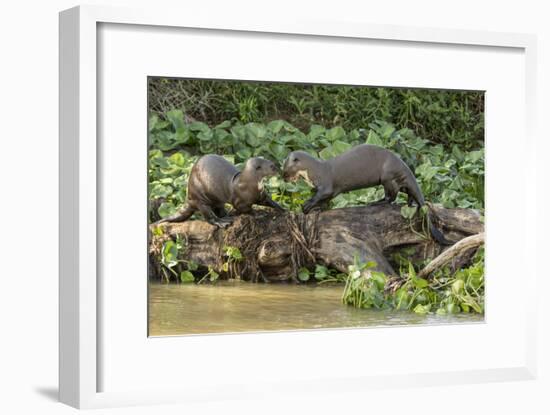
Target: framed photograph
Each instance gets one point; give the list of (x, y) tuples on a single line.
[(279, 206)]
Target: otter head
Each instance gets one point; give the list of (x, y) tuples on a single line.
[(258, 167), (296, 165)]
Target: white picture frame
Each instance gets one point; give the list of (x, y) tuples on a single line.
[(80, 166)]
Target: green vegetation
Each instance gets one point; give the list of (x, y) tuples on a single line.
[(182, 270), (440, 116), (445, 293), (321, 274), (439, 134)]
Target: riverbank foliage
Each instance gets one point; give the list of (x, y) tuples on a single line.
[(440, 116), (439, 134), (445, 293)]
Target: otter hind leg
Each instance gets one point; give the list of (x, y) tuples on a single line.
[(391, 189), (181, 216), (209, 215), (410, 197)]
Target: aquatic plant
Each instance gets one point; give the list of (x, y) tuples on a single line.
[(444, 293)]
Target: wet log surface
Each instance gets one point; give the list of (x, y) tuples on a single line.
[(275, 246)]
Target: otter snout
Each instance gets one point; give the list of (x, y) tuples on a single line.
[(275, 169), (289, 173)]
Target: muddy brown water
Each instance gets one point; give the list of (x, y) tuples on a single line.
[(235, 306)]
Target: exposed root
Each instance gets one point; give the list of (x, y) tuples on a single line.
[(248, 231)]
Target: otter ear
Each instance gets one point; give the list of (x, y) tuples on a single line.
[(258, 167)]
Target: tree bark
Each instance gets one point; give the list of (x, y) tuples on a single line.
[(456, 253), (275, 246)]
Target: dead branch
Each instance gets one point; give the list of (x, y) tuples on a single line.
[(454, 253)]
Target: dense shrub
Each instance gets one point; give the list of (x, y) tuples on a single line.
[(441, 116)]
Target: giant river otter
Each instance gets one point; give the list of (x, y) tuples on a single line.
[(214, 181), (362, 166)]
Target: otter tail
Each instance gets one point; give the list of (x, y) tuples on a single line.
[(416, 194), (180, 216), (436, 233)]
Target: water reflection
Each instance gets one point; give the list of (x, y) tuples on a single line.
[(234, 306)]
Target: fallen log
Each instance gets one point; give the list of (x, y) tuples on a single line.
[(275, 246)]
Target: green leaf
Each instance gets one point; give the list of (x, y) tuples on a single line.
[(276, 126), (176, 119), (206, 135), (158, 231), (278, 151), (336, 133), (226, 124), (183, 135), (412, 272), (340, 147), (408, 212), (321, 272), (374, 139), (457, 287), (244, 154), (192, 266), (199, 126), (315, 131), (370, 264), (326, 153), (420, 283), (169, 254), (402, 298), (187, 276), (422, 309), (223, 138), (207, 147), (303, 274), (177, 159), (155, 124), (160, 190), (164, 140), (379, 278), (166, 209), (233, 253), (255, 134), (213, 275), (387, 130)]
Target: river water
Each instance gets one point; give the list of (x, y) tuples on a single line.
[(235, 306)]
